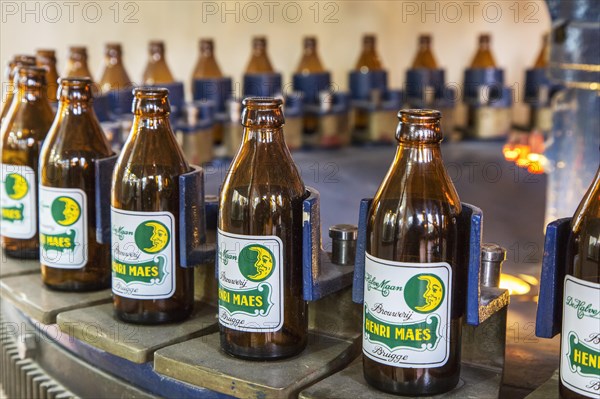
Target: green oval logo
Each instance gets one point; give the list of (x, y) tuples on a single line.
[(152, 236), (16, 186), (424, 293), (65, 211), (256, 262)]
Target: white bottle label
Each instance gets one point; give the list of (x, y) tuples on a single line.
[(63, 227), (250, 270), (18, 202), (407, 313), (143, 254), (580, 338)]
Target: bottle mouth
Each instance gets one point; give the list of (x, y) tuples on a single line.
[(76, 89), (23, 59), (419, 126), (150, 92), (262, 102), (31, 76), (75, 81), (419, 115), (262, 112), (151, 101), (46, 53)]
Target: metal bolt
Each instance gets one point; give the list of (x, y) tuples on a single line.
[(344, 243), (492, 256)]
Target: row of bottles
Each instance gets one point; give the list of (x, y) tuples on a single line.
[(49, 197), (115, 76), (48, 170)]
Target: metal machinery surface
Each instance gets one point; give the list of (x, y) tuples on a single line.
[(60, 345)]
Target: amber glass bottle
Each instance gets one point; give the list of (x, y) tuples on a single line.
[(580, 338), (71, 258), (77, 65), (157, 71), (47, 59), (424, 58), (262, 312), (17, 61), (23, 132), (542, 58), (369, 59), (149, 285), (207, 67), (114, 76), (483, 57), (415, 284), (310, 62), (259, 60)]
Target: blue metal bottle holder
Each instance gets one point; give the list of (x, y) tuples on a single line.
[(262, 85), (548, 321), (420, 80), (498, 96), (471, 219), (217, 90), (537, 82), (192, 214), (311, 85), (320, 276), (362, 84)]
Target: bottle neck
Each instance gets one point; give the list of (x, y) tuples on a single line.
[(271, 135)]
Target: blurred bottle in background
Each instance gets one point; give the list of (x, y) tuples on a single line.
[(157, 71), (483, 57), (259, 60), (424, 57), (47, 58), (310, 62), (77, 64), (369, 59), (115, 76), (207, 67), (11, 69)]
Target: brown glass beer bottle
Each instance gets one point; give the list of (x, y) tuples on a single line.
[(424, 58), (415, 287), (310, 62), (77, 65), (115, 76), (580, 338), (47, 59), (369, 59), (157, 71), (17, 61), (23, 132), (149, 285), (484, 57), (207, 67), (259, 60), (543, 57), (70, 256), (262, 312)]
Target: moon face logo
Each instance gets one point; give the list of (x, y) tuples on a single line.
[(16, 186), (256, 262), (65, 211), (424, 293), (152, 236)]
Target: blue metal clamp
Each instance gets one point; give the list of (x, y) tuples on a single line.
[(103, 175), (470, 221), (321, 277), (193, 249), (262, 84), (549, 311)]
